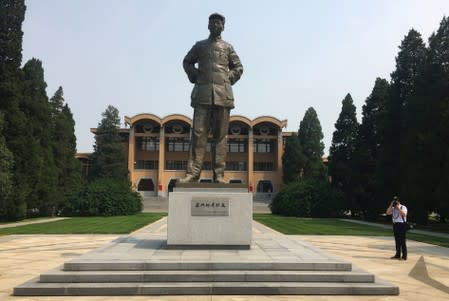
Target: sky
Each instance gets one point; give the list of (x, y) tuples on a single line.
[(295, 54)]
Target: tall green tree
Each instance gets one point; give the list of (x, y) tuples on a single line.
[(37, 164), (12, 14), (426, 143), (292, 160), (311, 141), (6, 160), (409, 65), (63, 142), (342, 150), (109, 157), (368, 143)]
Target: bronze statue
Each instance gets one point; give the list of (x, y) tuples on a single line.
[(218, 69)]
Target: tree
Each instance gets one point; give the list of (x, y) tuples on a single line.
[(342, 150), (292, 160), (368, 143), (109, 191), (37, 166), (409, 65), (6, 159), (310, 140), (109, 157), (425, 147), (12, 14), (63, 142)]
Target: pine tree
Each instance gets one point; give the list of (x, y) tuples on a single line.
[(342, 150), (64, 147), (109, 157), (6, 160), (425, 147), (310, 139), (292, 160), (12, 13), (409, 64), (439, 91), (368, 143), (37, 165)]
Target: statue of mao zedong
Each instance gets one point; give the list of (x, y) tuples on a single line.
[(213, 66)]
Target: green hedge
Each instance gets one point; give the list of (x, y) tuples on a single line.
[(307, 198), (104, 197)]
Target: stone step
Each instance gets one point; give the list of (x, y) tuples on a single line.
[(33, 288), (205, 276), (121, 265)]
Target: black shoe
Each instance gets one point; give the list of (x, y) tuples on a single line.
[(395, 257), (404, 257)]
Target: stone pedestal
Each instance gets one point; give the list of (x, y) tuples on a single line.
[(210, 216)]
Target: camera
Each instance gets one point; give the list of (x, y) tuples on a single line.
[(395, 203)]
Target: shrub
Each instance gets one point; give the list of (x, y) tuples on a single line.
[(307, 198), (292, 200), (327, 201), (104, 197)]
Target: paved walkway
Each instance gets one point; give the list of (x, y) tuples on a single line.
[(417, 231), (29, 222), (424, 276)]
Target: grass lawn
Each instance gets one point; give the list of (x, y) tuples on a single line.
[(88, 225), (330, 226)]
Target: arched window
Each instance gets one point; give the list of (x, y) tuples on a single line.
[(171, 185), (145, 185)]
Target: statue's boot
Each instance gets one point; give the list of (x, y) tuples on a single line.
[(189, 178), (220, 179)]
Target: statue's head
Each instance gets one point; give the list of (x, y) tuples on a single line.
[(216, 24)]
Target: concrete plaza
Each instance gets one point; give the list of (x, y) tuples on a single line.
[(424, 275)]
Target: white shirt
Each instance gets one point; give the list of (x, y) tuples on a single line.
[(397, 218)]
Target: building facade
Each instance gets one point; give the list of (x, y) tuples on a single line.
[(158, 150)]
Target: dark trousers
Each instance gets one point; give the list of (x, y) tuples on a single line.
[(399, 231), (215, 119)]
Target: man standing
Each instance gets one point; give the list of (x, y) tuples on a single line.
[(218, 69), (399, 217)]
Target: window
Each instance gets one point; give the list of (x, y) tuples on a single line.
[(263, 146), (178, 144), (207, 165), (175, 165), (206, 181), (265, 186), (171, 185), (146, 164), (236, 166), (263, 166), (145, 185), (237, 145), (235, 181), (150, 144)]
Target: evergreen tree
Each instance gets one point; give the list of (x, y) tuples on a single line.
[(6, 160), (409, 64), (310, 140), (368, 143), (342, 150), (64, 147), (439, 92), (292, 160), (426, 144), (12, 13), (37, 164), (109, 157)]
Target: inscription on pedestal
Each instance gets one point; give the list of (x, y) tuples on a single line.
[(209, 206)]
